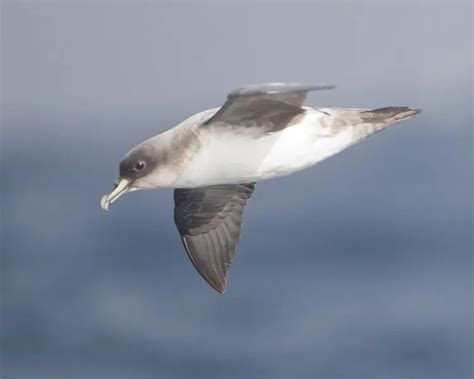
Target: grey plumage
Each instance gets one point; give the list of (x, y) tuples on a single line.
[(209, 221), (290, 92), (270, 107), (388, 115)]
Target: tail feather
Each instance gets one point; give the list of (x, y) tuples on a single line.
[(365, 122), (373, 121), (389, 115)]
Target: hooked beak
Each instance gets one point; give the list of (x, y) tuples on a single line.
[(122, 187)]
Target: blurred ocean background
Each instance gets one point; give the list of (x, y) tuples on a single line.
[(360, 267)]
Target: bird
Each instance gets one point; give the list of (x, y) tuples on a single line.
[(214, 159)]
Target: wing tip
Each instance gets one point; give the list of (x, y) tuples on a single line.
[(220, 287), (323, 86)]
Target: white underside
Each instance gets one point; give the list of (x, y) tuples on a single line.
[(230, 157)]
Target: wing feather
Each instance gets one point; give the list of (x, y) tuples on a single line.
[(209, 221), (271, 106)]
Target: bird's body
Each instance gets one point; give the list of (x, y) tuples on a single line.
[(217, 154), (226, 157), (214, 158)]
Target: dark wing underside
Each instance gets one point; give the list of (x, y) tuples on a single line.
[(268, 106), (209, 220)]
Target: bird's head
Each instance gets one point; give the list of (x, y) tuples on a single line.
[(134, 173)]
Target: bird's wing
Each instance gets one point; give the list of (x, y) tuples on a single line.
[(269, 106), (209, 220)]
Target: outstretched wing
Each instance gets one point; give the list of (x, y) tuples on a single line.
[(209, 220), (270, 106)]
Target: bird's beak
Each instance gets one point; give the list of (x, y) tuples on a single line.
[(122, 187)]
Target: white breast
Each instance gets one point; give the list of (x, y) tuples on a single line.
[(240, 156)]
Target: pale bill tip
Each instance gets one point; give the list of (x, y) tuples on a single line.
[(122, 187), (104, 203)]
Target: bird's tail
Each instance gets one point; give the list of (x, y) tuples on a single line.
[(367, 122), (388, 115)]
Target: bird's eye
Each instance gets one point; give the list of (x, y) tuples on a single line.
[(140, 165)]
